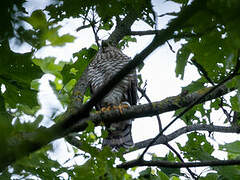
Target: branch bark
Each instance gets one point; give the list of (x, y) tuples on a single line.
[(196, 127), (122, 29), (166, 105), (168, 164)]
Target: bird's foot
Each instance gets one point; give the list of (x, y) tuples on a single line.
[(121, 107), (104, 109)]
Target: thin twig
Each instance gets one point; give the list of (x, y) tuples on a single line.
[(202, 71), (83, 27), (168, 14), (228, 114), (2, 101), (181, 159), (143, 92), (85, 18), (94, 28), (170, 46)]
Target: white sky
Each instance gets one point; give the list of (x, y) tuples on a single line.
[(159, 71)]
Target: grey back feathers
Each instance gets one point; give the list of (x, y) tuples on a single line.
[(108, 61)]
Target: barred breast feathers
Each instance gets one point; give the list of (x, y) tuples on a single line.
[(107, 62)]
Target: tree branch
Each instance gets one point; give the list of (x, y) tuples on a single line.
[(163, 139), (168, 164), (143, 92), (144, 110), (181, 159), (2, 102), (166, 105), (122, 29), (144, 33)]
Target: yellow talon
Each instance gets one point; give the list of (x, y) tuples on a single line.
[(103, 109), (121, 107), (109, 108)]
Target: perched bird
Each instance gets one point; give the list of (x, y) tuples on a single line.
[(107, 62)]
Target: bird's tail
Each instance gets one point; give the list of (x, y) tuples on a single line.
[(119, 135)]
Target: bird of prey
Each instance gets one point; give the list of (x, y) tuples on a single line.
[(107, 62)]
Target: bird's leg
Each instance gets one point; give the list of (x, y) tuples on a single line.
[(108, 108), (114, 107), (122, 106), (103, 109)]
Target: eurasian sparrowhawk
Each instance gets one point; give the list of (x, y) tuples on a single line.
[(107, 62)]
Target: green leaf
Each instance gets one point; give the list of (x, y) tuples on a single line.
[(233, 147), (182, 57), (162, 176), (235, 103), (38, 164), (168, 171), (225, 171), (62, 40), (37, 20), (146, 172), (107, 25), (35, 84), (195, 85), (174, 178), (125, 42), (74, 70), (70, 85), (28, 110), (17, 71), (210, 176), (48, 65), (197, 147), (18, 68), (6, 129), (215, 104)]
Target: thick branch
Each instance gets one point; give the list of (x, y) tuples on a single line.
[(144, 33), (122, 29), (196, 127), (169, 104), (168, 164)]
